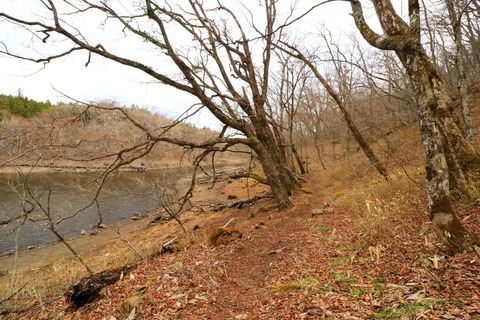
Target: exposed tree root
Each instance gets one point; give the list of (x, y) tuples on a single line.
[(240, 204)]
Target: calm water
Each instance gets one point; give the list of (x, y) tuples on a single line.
[(125, 195)]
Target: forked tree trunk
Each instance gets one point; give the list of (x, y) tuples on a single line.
[(281, 181), (443, 141), (274, 164)]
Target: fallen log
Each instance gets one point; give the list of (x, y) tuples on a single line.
[(240, 204), (251, 175), (88, 289)]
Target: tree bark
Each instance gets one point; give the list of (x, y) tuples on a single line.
[(455, 19), (280, 179), (443, 142)]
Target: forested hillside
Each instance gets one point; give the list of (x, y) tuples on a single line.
[(71, 134)]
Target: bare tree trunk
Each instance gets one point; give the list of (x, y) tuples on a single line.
[(442, 138), (319, 156), (299, 160), (280, 179), (460, 63), (346, 114)]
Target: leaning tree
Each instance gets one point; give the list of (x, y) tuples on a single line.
[(220, 55), (448, 152)]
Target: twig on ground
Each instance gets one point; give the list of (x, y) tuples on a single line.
[(13, 294), (240, 204), (225, 305), (169, 242), (129, 244), (226, 224)]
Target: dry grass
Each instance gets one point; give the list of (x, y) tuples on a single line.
[(376, 206), (46, 282)]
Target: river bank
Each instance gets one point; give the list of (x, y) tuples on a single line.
[(123, 196), (35, 168), (108, 247)]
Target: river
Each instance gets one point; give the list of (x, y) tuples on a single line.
[(60, 194)]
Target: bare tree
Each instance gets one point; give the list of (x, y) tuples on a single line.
[(295, 52), (443, 140), (455, 13), (227, 70), (291, 83)]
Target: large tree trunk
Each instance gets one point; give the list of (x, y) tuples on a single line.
[(274, 164), (444, 145), (281, 181), (446, 151), (445, 222)]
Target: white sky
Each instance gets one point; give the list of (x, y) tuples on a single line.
[(106, 80)]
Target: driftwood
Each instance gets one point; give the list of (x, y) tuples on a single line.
[(57, 166), (88, 289), (240, 204)]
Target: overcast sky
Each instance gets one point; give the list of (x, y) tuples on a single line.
[(106, 80)]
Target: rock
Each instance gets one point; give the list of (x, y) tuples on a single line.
[(102, 226), (3, 273), (83, 232), (30, 247), (185, 243), (222, 235), (231, 197)]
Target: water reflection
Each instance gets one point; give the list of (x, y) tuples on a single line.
[(60, 195)]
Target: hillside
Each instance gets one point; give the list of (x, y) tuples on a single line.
[(69, 135), (358, 247)]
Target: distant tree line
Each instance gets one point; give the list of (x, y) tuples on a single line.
[(21, 106)]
